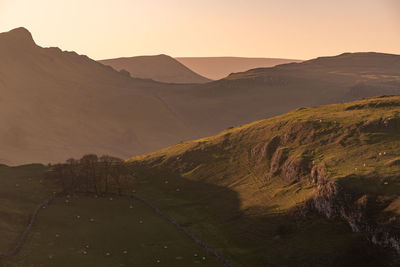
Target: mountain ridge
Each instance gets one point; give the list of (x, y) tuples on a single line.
[(58, 104), (217, 68), (161, 68)]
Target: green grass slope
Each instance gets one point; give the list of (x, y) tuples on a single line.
[(263, 184)]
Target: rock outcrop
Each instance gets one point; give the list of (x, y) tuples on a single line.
[(332, 200)]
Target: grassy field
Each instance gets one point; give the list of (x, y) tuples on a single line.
[(21, 189), (87, 231), (81, 231)]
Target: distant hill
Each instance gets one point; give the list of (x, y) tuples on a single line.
[(219, 67), (160, 68), (270, 181), (261, 93)]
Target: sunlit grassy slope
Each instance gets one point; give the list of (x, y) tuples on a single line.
[(358, 139), (262, 174)]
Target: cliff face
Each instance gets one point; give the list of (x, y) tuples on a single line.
[(332, 200)]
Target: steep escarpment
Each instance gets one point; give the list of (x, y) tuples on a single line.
[(361, 212), (340, 161)]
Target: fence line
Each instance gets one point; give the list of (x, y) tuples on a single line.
[(27, 230)]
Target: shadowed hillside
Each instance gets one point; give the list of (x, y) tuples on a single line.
[(160, 68), (57, 104)]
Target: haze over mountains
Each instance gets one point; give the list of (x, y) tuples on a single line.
[(217, 68), (57, 104), (160, 68)]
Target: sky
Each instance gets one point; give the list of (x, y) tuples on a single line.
[(296, 29)]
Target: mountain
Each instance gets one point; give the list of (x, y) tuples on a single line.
[(219, 67), (160, 68), (279, 192), (57, 104)]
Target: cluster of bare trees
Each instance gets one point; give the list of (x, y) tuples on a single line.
[(93, 174)]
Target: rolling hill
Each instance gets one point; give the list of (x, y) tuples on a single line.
[(217, 68), (267, 186), (160, 68)]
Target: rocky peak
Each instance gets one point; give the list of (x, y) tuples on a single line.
[(17, 38)]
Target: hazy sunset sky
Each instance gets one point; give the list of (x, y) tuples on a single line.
[(299, 29)]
